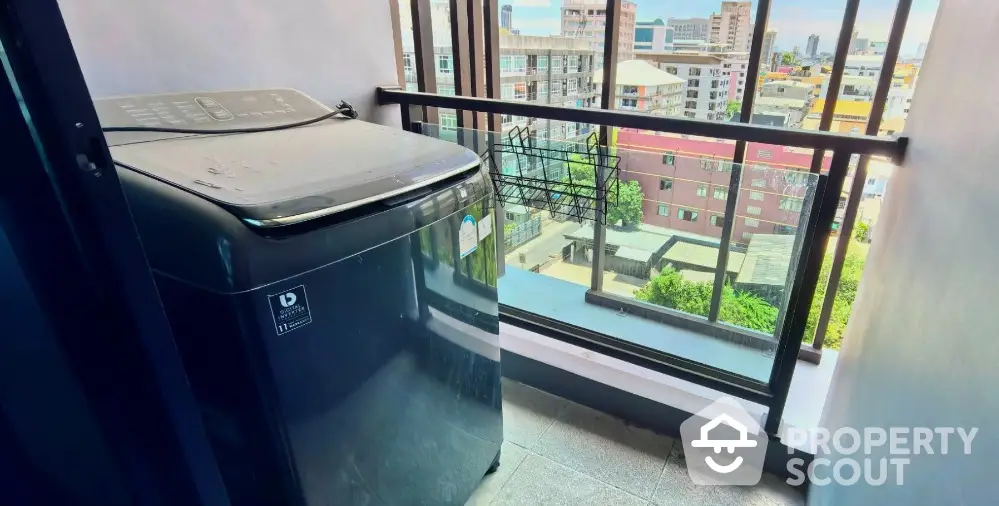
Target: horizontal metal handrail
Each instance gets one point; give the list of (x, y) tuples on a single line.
[(893, 148)]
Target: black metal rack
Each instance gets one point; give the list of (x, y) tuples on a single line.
[(543, 176)]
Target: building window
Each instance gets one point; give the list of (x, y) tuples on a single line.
[(663, 210), (572, 85), (720, 193), (755, 195), (629, 90), (694, 83), (790, 204), (665, 184), (747, 236), (629, 102), (755, 211), (691, 93), (871, 181), (542, 63), (542, 89), (519, 91), (693, 72), (510, 216), (407, 62), (669, 159), (759, 183), (687, 215), (556, 64), (506, 91), (752, 222), (506, 63), (764, 154), (520, 63), (708, 164), (572, 62), (702, 190), (717, 220), (446, 89), (443, 64), (449, 122)]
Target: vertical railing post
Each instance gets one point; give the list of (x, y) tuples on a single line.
[(423, 50), (735, 181), (816, 233), (607, 98), (860, 176), (490, 21), (458, 11), (476, 52)]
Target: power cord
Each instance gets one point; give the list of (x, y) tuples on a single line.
[(343, 108)]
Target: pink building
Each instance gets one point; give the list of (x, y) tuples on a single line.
[(685, 183)]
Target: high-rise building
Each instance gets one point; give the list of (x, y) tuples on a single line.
[(707, 92), (653, 36), (689, 28), (853, 42), (733, 26), (545, 70), (860, 45), (769, 41), (921, 50), (812, 48), (506, 17), (587, 20), (644, 88)]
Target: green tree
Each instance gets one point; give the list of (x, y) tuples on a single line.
[(733, 108), (628, 209), (860, 232), (787, 58), (744, 309), (846, 292)]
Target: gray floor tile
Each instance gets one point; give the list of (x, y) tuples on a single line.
[(510, 460), (607, 449), (527, 413), (540, 481), (676, 489)]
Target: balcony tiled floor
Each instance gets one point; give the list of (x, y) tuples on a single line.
[(561, 453)]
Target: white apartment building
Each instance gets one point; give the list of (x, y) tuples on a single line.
[(690, 28), (733, 26), (863, 65), (707, 93), (642, 87), (853, 88), (736, 65), (698, 46), (769, 44), (653, 36), (587, 20)]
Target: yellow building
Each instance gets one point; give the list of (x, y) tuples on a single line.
[(848, 117)]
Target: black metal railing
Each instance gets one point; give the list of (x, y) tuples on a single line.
[(484, 114)]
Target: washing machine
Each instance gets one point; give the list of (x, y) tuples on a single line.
[(331, 288)]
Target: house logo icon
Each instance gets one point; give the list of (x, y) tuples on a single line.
[(723, 445)]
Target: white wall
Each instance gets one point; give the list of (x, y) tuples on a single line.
[(330, 49), (922, 346)]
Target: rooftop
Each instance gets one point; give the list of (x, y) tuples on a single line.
[(843, 108), (640, 73), (690, 59), (702, 256), (790, 103), (858, 59), (785, 82), (657, 22), (767, 260)]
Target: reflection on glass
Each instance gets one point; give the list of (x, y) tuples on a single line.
[(663, 236)]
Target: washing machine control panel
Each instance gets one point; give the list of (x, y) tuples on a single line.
[(209, 110)]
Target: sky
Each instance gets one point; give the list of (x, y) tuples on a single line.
[(794, 20)]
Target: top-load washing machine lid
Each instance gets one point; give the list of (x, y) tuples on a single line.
[(278, 177)]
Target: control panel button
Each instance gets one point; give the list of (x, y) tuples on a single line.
[(214, 109)]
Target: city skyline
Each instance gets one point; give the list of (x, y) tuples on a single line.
[(793, 20)]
